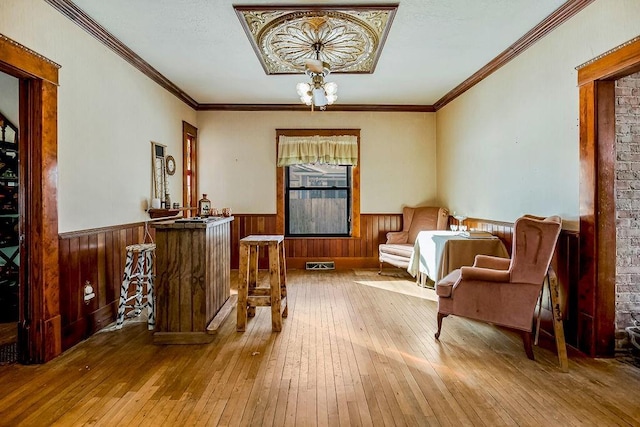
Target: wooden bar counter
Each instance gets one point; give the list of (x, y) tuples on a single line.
[(193, 274)]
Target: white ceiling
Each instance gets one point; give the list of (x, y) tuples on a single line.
[(433, 46)]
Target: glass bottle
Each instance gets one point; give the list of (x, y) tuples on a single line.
[(204, 207)]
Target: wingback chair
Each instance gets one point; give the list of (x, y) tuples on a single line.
[(503, 291), (398, 249)]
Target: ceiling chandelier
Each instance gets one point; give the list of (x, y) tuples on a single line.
[(317, 40), (318, 93)]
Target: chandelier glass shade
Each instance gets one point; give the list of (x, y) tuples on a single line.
[(317, 93)]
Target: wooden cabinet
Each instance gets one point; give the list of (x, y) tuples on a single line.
[(193, 274)]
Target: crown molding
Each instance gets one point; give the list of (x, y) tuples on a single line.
[(302, 107), (550, 23), (84, 21)]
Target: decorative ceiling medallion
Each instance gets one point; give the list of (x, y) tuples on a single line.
[(351, 37)]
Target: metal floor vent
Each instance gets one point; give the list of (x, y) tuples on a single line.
[(320, 265), (8, 353)]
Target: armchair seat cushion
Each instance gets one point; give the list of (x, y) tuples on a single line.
[(395, 254), (402, 250)]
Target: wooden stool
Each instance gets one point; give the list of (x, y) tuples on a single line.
[(140, 273), (249, 295)]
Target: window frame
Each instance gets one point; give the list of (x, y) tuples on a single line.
[(281, 183)]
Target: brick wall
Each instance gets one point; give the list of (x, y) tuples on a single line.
[(627, 204)]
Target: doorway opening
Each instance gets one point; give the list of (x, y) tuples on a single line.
[(9, 219), (599, 266), (39, 333)]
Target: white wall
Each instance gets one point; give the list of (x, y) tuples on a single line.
[(108, 112), (510, 144), (9, 98), (507, 146), (238, 157)]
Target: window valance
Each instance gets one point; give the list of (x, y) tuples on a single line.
[(331, 150)]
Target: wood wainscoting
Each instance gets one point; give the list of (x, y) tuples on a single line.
[(96, 256), (346, 252)]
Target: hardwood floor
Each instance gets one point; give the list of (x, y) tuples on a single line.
[(356, 349), (8, 333)]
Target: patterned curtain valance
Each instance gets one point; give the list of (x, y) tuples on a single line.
[(330, 150)]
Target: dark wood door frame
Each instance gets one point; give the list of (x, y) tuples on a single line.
[(596, 305), (39, 330)]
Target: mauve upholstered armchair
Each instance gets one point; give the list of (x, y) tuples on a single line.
[(398, 249), (503, 291)]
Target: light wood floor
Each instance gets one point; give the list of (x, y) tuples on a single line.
[(357, 349)]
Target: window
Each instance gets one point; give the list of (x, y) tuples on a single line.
[(318, 200), (189, 167)]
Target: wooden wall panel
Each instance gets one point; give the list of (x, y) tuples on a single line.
[(96, 256), (504, 230), (567, 266), (346, 252)]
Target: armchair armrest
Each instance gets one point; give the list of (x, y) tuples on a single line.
[(492, 262), (394, 237), (484, 274)]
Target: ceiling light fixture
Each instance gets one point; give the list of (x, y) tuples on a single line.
[(318, 93)]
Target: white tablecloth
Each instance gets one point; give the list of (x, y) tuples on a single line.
[(427, 252), (436, 253)]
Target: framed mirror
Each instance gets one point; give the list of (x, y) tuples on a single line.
[(159, 177)]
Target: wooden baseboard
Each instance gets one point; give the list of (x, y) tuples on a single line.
[(52, 329), (102, 317), (73, 333)]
